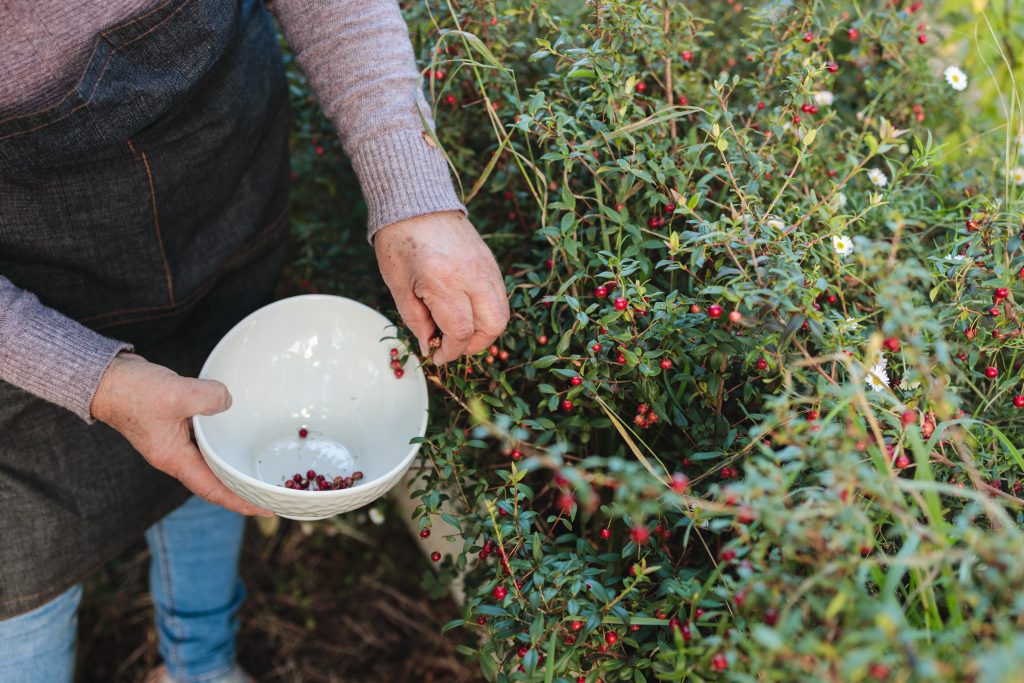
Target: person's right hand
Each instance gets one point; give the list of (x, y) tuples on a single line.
[(150, 405)]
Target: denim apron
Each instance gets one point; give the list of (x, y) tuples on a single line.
[(151, 205)]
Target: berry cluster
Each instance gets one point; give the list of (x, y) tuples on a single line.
[(396, 364), (645, 416), (321, 482)]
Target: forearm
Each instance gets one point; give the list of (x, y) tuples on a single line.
[(48, 354), (359, 61)]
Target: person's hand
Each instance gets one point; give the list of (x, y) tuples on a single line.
[(443, 276), (151, 405)]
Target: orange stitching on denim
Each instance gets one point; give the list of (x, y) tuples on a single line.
[(99, 78), (156, 221), (259, 240)]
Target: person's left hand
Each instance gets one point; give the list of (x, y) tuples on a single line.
[(443, 276)]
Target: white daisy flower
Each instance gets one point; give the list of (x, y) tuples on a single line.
[(842, 244), (775, 223), (953, 256), (823, 98), (877, 377), (956, 78), (852, 324), (877, 177), (1018, 175), (376, 515)]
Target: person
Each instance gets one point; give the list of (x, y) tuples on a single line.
[(143, 212)]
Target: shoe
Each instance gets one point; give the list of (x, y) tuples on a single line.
[(236, 675)]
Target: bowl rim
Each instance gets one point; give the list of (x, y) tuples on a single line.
[(207, 451)]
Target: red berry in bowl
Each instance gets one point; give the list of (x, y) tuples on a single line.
[(303, 433)]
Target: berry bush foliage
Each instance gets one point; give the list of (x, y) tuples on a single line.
[(759, 412)]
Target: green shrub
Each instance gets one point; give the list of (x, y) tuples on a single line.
[(678, 440)]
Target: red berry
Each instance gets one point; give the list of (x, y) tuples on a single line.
[(735, 316), (991, 372), (761, 364), (680, 482), (796, 118), (606, 534), (808, 37), (542, 339), (515, 454), (832, 67), (393, 352), (611, 637), (666, 364), (728, 555), (399, 372), (760, 106), (577, 625), (503, 355), (499, 592), (621, 304), (639, 534), (771, 617), (1018, 401), (719, 662), (902, 461), (481, 620), (641, 87), (891, 344), (596, 348), (880, 672), (601, 292), (303, 433), (435, 556), (922, 39), (715, 311), (567, 405), (853, 34), (908, 418), (425, 532), (971, 224), (576, 381), (687, 55), (1001, 293)]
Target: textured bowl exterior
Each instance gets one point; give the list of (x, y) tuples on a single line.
[(347, 330), (307, 505)]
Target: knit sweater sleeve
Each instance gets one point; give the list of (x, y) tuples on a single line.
[(359, 60), (50, 355)]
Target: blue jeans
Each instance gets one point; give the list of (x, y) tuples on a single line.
[(196, 590)]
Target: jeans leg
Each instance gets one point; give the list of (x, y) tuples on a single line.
[(39, 646), (196, 590)]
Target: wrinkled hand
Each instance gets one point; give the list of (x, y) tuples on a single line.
[(150, 406), (443, 276)]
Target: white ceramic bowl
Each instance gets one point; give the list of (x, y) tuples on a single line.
[(321, 363)]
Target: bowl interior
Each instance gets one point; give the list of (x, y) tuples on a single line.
[(321, 364)]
